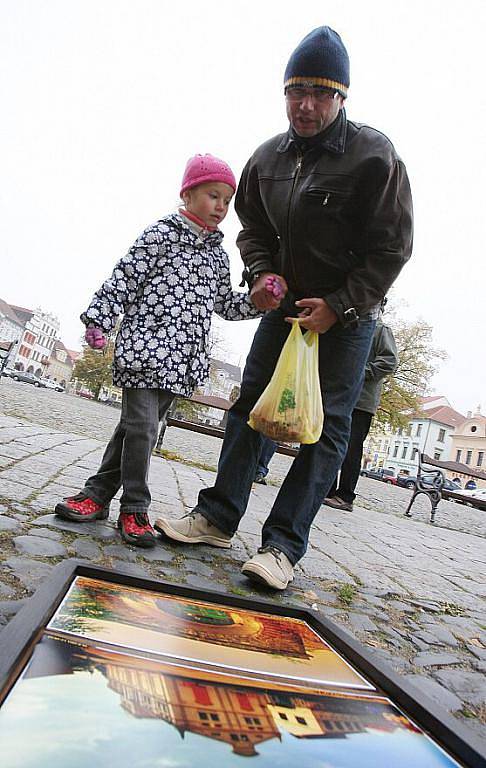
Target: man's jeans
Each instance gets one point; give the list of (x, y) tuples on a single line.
[(126, 460), (348, 477), (342, 357)]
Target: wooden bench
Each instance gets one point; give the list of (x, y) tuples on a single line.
[(207, 429)]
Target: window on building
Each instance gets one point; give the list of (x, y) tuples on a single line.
[(441, 437), (414, 453), (301, 720), (458, 455), (400, 431), (395, 450), (480, 458), (468, 457), (409, 429), (419, 429), (437, 455), (404, 452)]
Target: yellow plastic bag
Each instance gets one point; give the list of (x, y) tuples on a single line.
[(290, 408)]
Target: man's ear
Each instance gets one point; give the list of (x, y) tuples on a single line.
[(186, 197)]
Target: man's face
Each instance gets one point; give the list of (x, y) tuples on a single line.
[(311, 110)]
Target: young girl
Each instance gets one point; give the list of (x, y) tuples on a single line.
[(167, 286)]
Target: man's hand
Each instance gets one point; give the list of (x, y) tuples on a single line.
[(95, 338), (263, 298), (316, 315)]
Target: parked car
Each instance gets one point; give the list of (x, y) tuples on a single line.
[(53, 385), (385, 475), (8, 371), (472, 498), (28, 378), (410, 481), (406, 481)]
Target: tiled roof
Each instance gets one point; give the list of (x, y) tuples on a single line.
[(444, 415), (9, 312), (23, 313), (455, 466)]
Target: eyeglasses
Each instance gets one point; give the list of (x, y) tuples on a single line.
[(320, 95)]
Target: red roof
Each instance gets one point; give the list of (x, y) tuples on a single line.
[(444, 415)]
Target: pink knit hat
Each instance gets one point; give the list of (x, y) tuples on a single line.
[(203, 168)]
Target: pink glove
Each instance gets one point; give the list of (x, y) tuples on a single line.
[(274, 286), (95, 338)]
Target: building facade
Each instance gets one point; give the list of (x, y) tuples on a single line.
[(469, 444), (11, 330), (41, 329), (60, 365)]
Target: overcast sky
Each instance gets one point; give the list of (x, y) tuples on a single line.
[(103, 101)]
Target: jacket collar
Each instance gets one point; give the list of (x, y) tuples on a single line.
[(333, 138), (182, 223)]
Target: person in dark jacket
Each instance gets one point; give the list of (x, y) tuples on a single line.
[(382, 362), (326, 210)]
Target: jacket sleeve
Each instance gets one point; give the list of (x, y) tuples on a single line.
[(230, 304), (385, 243), (258, 242), (121, 289), (384, 358)]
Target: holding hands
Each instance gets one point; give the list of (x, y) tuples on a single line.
[(95, 338), (268, 290)]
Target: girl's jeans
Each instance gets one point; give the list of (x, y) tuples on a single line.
[(126, 460), (342, 357)]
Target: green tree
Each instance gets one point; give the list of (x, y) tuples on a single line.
[(93, 368), (418, 360)]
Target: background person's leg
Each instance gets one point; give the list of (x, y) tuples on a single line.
[(266, 454), (360, 426)]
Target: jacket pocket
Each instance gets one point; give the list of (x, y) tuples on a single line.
[(326, 196)]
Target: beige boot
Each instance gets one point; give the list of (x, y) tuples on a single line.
[(271, 567), (193, 529)]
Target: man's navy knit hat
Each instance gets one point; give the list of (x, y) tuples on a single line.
[(320, 59)]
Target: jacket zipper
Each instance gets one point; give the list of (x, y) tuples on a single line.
[(298, 168)]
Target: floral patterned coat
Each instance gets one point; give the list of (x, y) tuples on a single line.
[(167, 286)]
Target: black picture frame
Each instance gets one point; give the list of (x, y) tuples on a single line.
[(19, 637)]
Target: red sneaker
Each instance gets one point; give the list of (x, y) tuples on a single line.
[(135, 529), (81, 509)]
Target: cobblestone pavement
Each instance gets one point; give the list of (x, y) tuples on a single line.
[(412, 593)]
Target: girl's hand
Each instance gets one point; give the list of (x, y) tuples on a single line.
[(95, 338), (263, 297), (274, 286)]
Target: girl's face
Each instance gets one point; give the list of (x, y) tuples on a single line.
[(209, 202)]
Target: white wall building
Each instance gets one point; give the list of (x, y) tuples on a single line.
[(41, 329), (429, 431), (11, 330)]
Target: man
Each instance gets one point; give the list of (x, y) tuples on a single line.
[(382, 362), (327, 208)]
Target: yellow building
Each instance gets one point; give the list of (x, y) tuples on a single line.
[(469, 448)]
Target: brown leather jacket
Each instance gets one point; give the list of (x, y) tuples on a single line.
[(336, 221)]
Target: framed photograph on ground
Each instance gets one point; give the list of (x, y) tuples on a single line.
[(103, 669)]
